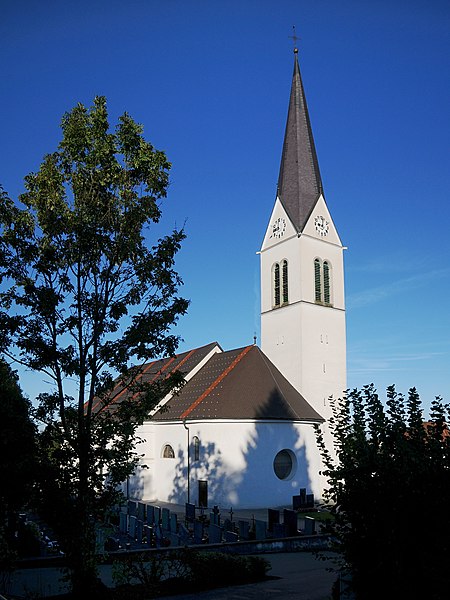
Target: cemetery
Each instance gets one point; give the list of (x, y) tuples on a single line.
[(141, 525)]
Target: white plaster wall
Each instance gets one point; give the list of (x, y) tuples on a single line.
[(236, 459)]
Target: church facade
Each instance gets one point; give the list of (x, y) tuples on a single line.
[(240, 433)]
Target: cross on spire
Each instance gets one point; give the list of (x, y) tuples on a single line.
[(294, 38)]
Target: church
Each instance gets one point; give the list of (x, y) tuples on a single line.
[(241, 431)]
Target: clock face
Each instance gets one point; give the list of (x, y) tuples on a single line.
[(321, 225), (278, 227)]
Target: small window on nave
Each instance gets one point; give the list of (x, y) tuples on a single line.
[(168, 451)]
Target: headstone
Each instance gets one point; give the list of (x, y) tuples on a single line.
[(165, 519), (198, 532), (150, 514), (244, 530), (310, 526), (123, 522), (147, 534), (132, 527), (214, 518), (214, 534), (132, 508), (309, 501), (173, 523), (279, 530), (303, 495), (228, 525), (139, 530), (260, 529), (231, 537), (158, 535), (297, 503), (157, 514), (190, 512), (290, 522), (184, 534), (141, 511), (273, 517)]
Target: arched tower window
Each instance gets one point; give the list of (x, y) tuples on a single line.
[(196, 444), (280, 284), (322, 281)]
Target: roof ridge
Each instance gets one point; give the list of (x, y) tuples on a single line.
[(216, 382)]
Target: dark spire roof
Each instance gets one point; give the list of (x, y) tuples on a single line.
[(299, 182)]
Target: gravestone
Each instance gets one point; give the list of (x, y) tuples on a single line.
[(132, 508), (279, 530), (150, 514), (147, 534), (310, 526), (158, 535), (309, 501), (214, 534), (230, 536), (190, 512), (273, 517), (214, 518), (184, 534), (132, 527), (139, 530), (157, 514), (165, 517), (141, 511), (290, 522), (244, 530), (123, 522), (198, 532), (173, 523), (260, 529), (228, 525), (303, 495)]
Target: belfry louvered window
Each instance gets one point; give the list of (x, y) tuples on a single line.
[(322, 281), (280, 285)]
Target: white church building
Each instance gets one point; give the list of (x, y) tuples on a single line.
[(241, 433)]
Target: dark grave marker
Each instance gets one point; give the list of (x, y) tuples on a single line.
[(173, 524), (123, 522), (230, 536), (150, 514), (147, 534), (228, 525), (244, 530), (309, 501), (132, 508), (132, 527), (273, 517), (310, 526), (290, 522), (260, 529), (165, 516), (198, 532), (139, 530), (141, 511), (279, 530), (190, 512), (303, 495), (214, 534), (214, 518), (184, 534), (157, 514)]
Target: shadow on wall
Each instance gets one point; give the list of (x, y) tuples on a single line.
[(255, 483)]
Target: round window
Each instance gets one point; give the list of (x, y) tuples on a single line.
[(284, 464)]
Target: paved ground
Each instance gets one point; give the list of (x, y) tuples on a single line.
[(300, 577)]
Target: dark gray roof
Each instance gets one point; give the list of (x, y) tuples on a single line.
[(238, 384), (299, 182)]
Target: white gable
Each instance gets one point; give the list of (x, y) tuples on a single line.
[(279, 228), (320, 224)]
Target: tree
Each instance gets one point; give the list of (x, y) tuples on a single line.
[(390, 492), (17, 460), (90, 294)]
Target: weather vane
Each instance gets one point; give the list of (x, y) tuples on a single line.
[(294, 38)]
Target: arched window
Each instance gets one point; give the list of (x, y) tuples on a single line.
[(196, 444), (168, 451), (280, 285), (322, 281)]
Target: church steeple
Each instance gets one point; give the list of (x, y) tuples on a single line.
[(299, 182)]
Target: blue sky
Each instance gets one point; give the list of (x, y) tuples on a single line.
[(210, 81)]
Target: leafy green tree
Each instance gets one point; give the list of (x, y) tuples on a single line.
[(17, 461), (89, 293), (390, 491)]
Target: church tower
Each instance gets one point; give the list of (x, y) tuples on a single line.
[(302, 272)]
